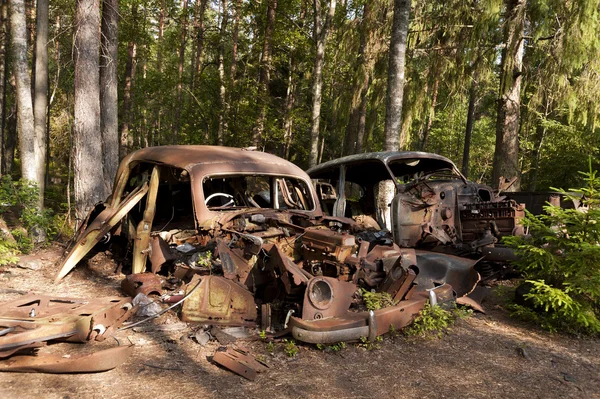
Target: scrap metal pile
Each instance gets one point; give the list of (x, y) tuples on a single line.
[(242, 237)]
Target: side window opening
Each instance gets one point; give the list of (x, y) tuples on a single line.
[(174, 205)]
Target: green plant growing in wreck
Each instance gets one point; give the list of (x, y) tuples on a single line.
[(434, 320), (377, 300), (290, 348), (560, 259), (332, 348), (368, 345)]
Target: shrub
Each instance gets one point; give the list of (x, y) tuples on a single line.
[(434, 320), (560, 258), (377, 300)]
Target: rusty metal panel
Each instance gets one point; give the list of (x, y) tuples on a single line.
[(95, 362), (235, 267), (218, 300), (38, 318), (240, 362), (145, 283)]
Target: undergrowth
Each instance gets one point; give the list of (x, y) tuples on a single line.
[(377, 300), (560, 259), (435, 320)]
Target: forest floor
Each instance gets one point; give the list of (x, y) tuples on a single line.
[(483, 356)]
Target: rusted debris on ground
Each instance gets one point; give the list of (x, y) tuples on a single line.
[(33, 320), (103, 360), (240, 362)]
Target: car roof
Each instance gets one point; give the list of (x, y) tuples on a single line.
[(214, 158), (371, 167)]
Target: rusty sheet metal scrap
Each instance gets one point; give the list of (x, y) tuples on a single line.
[(39, 318), (103, 360), (145, 283), (219, 301), (240, 362)]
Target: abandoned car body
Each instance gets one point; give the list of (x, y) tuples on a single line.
[(434, 207), (245, 233)]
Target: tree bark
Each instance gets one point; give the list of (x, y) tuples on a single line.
[(40, 105), (178, 105), (199, 28), (126, 143), (469, 128), (320, 34), (431, 113), (224, 107), (109, 101), (88, 177), (361, 86), (395, 87), (27, 138), (265, 73), (506, 155), (3, 75)]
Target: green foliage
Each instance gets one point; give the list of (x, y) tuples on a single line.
[(332, 348), (20, 198), (368, 345), (270, 347), (561, 259), (434, 320), (377, 300), (8, 251), (290, 348)]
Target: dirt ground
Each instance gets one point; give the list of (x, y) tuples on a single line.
[(484, 356)]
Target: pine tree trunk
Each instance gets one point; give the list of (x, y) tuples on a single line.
[(431, 113), (3, 75), (361, 85), (179, 103), (265, 73), (320, 33), (88, 177), (10, 139), (395, 88), (224, 108), (506, 155), (199, 42), (40, 105), (27, 139), (109, 102), (126, 141), (469, 128)]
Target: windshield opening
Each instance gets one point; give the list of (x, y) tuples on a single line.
[(256, 191)]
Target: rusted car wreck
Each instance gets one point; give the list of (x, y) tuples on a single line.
[(434, 206), (245, 234)]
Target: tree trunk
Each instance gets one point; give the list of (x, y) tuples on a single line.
[(469, 128), (3, 75), (109, 102), (10, 140), (431, 114), (361, 85), (27, 138), (320, 33), (265, 73), (179, 103), (506, 155), (224, 107), (88, 178), (40, 106), (235, 40), (395, 87), (199, 28), (124, 134)]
